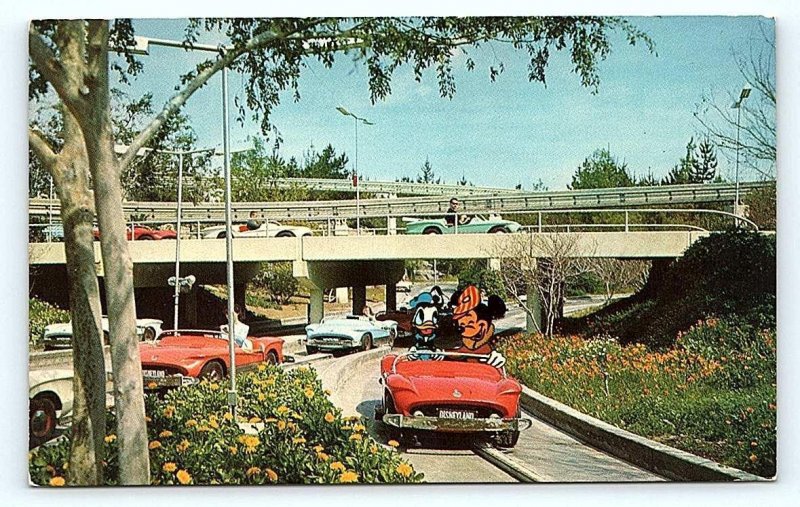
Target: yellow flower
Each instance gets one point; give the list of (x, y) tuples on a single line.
[(184, 477), (309, 393), (318, 448), (348, 477), (338, 465), (298, 440), (204, 428), (227, 416), (373, 449), (213, 423), (190, 423), (233, 449), (262, 367), (165, 434), (393, 443), (404, 469), (329, 418), (322, 456), (254, 420), (110, 438), (213, 386), (250, 442), (253, 471), (282, 409), (281, 425), (57, 481), (155, 444), (355, 436), (169, 410), (753, 458), (169, 467), (182, 446), (152, 385), (261, 397), (271, 475), (359, 427)]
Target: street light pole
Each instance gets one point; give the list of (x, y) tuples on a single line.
[(178, 244), (356, 178), (738, 106)]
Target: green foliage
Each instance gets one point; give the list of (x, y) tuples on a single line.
[(729, 274), (287, 431), (704, 166), (475, 272), (40, 315), (426, 174), (601, 170), (278, 280), (708, 395)]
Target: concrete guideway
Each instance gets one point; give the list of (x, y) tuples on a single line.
[(544, 453)]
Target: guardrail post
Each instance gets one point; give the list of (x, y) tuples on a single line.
[(626, 221), (540, 221), (455, 224)]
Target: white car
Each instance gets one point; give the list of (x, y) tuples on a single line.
[(403, 286), (50, 398), (267, 230), (59, 336), (351, 332)]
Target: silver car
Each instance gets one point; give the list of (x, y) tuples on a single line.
[(353, 332)]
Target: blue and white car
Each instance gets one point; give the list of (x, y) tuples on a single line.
[(353, 332)]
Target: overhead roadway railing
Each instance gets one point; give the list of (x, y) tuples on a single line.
[(665, 195), (390, 187)]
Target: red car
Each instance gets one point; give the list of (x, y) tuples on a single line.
[(457, 394), (140, 232), (184, 357)]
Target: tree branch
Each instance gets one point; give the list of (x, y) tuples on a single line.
[(48, 64), (41, 148)]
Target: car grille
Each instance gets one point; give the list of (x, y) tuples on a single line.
[(166, 369), (433, 410)]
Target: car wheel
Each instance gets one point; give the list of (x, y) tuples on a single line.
[(311, 350), (149, 334), (498, 229), (392, 334), (145, 238), (285, 234), (508, 439), (366, 341), (272, 357), (42, 418), (222, 235), (431, 230), (212, 371)]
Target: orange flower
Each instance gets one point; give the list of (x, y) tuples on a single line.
[(337, 465), (356, 436), (393, 443), (322, 456), (169, 467), (348, 477), (190, 423), (110, 438), (329, 418), (298, 440), (254, 420), (155, 444), (253, 471), (165, 434), (57, 481), (309, 393), (184, 477), (281, 425), (182, 446), (753, 458), (271, 475)]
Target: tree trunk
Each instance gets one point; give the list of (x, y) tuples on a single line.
[(134, 463)]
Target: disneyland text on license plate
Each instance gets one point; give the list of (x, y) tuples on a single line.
[(456, 414)]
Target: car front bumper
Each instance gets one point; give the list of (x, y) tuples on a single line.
[(477, 425), (167, 382), (332, 343)]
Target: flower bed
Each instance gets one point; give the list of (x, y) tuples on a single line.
[(287, 431), (712, 394)]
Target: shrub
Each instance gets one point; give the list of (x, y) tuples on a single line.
[(278, 280), (286, 431), (41, 315), (476, 273)]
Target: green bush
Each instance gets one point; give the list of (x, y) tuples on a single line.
[(287, 431), (278, 280), (41, 315), (477, 273)]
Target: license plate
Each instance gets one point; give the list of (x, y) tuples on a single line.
[(456, 414), (153, 373)]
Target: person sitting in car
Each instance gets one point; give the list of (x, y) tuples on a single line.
[(253, 223), (453, 215)]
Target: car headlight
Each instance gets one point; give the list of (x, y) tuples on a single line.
[(418, 413)]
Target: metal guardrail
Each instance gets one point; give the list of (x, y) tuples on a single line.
[(389, 187), (629, 220), (559, 200)]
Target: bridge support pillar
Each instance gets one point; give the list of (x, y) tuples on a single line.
[(342, 295), (316, 307), (493, 264), (240, 295), (359, 298), (391, 226), (391, 297), (189, 303)]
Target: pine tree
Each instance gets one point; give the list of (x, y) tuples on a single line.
[(681, 174), (704, 166), (427, 175)]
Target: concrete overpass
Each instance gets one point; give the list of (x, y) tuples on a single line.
[(354, 261)]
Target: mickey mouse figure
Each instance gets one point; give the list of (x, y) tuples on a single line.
[(426, 325), (474, 320)]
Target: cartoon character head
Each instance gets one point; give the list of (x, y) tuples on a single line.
[(474, 318), (425, 320)]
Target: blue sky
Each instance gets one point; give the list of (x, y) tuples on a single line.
[(495, 134)]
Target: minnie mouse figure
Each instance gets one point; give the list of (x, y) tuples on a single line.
[(474, 320)]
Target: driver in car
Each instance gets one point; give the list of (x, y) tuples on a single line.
[(474, 320), (453, 215)]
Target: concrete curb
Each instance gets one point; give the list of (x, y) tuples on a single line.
[(658, 458), (507, 464), (306, 360), (344, 371)]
